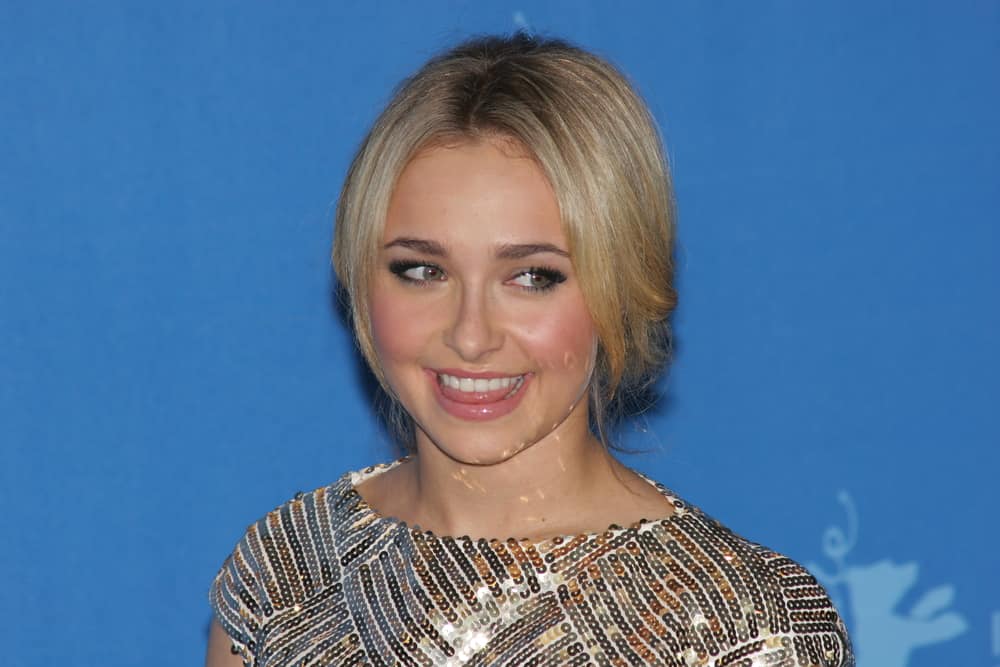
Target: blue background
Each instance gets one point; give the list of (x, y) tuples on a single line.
[(172, 366)]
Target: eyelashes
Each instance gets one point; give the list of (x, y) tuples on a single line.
[(422, 274), (539, 279), (416, 272)]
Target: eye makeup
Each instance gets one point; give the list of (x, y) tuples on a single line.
[(540, 279), (415, 272), (533, 279)]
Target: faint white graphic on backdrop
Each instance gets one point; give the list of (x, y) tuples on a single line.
[(995, 634), (882, 635), (521, 22)]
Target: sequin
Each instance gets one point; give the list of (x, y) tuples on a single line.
[(324, 580)]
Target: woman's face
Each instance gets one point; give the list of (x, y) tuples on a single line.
[(478, 319)]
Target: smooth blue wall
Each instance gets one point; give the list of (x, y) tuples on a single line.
[(172, 366)]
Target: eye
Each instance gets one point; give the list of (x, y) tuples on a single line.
[(539, 279), (416, 272)]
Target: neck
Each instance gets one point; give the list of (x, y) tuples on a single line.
[(547, 489)]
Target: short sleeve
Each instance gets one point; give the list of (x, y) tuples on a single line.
[(235, 596), (799, 624), (818, 649)]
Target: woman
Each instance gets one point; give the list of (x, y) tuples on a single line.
[(505, 236)]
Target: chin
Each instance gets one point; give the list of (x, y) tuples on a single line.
[(467, 451)]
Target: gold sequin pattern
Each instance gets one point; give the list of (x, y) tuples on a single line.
[(324, 580)]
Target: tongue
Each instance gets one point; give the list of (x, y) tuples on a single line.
[(475, 396)]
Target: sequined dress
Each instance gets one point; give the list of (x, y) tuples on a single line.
[(325, 580)]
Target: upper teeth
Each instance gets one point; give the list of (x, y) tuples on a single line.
[(478, 384)]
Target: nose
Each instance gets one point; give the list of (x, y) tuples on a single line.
[(473, 332)]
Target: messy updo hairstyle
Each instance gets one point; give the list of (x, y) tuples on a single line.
[(597, 143)]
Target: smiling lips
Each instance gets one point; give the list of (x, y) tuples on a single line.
[(479, 398)]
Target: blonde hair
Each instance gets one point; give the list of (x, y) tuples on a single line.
[(597, 143)]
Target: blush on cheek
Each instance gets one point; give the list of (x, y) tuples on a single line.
[(566, 343), (391, 328), (380, 321)]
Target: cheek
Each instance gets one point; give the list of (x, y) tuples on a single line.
[(393, 325), (564, 341)]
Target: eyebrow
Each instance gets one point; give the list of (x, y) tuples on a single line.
[(503, 251), (419, 245), (522, 250)]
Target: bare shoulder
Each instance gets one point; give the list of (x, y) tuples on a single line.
[(388, 492), (220, 652), (643, 499)]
